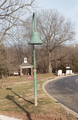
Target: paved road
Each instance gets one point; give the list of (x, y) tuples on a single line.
[(65, 90)]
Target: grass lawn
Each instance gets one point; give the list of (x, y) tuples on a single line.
[(18, 97)]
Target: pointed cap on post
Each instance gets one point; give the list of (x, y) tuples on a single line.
[(35, 39)]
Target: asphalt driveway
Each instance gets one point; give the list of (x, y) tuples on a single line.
[(65, 90)]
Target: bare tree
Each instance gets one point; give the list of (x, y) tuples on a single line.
[(54, 31), (12, 12)]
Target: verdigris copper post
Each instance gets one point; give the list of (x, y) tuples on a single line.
[(35, 40)]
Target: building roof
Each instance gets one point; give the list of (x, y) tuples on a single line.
[(25, 65)]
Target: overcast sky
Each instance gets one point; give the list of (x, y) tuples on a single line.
[(69, 8)]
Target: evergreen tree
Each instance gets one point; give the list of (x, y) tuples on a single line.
[(3, 61)]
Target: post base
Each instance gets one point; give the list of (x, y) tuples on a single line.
[(36, 102)]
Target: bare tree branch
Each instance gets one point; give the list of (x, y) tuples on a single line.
[(10, 14), (54, 30)]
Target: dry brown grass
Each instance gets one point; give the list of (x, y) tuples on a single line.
[(19, 98)]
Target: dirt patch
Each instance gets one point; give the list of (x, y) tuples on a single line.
[(29, 116)]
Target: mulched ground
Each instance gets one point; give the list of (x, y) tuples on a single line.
[(30, 78)]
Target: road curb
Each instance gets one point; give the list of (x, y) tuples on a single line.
[(66, 108)]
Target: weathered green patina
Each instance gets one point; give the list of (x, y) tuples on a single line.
[(35, 40)]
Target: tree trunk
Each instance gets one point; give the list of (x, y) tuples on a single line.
[(2, 81), (49, 64), (49, 67)]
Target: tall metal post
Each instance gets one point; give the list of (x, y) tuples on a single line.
[(35, 40), (35, 77)]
